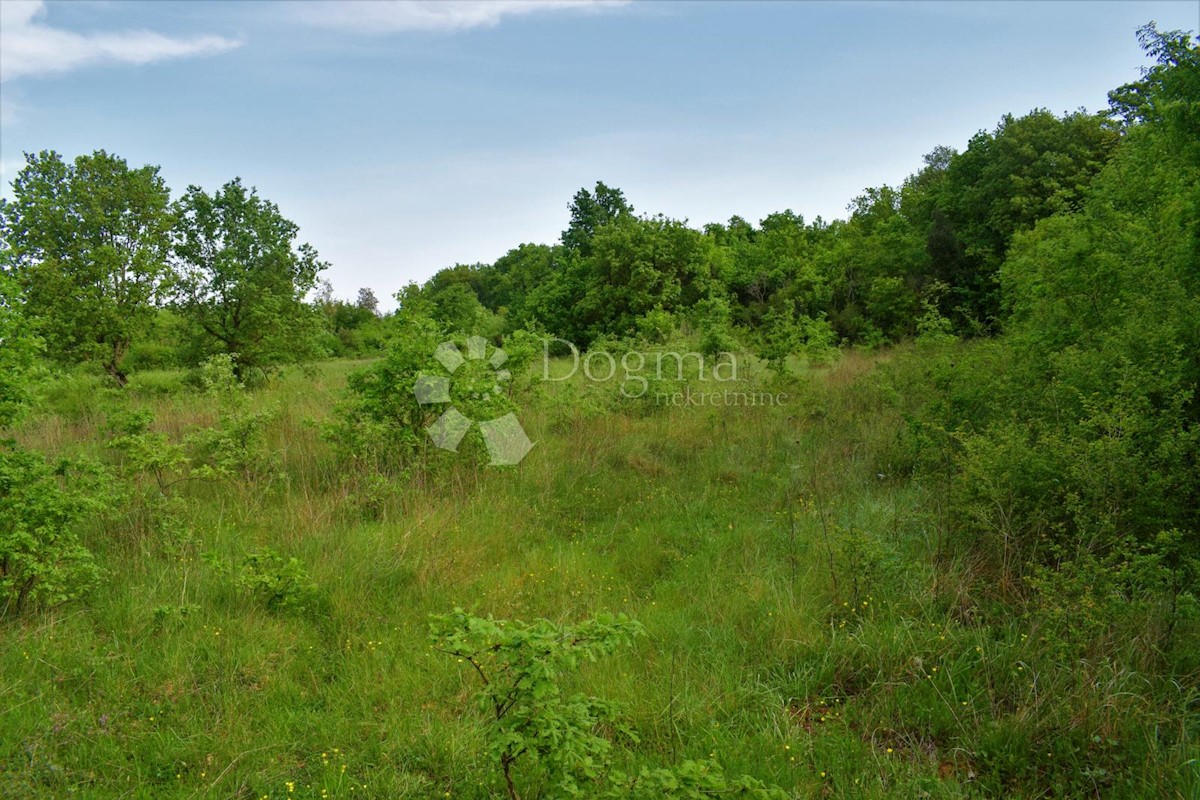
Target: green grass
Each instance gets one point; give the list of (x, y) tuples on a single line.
[(714, 527)]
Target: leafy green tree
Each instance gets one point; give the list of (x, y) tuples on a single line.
[(90, 244), (414, 303), (350, 316), (1169, 92), (243, 280), (591, 211), (786, 240), (777, 256), (1027, 169), (518, 274), (892, 306), (458, 309), (875, 267), (552, 304), (484, 281), (636, 266)]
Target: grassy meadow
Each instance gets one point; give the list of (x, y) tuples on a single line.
[(802, 625)]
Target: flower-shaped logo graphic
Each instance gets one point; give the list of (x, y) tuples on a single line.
[(504, 437)]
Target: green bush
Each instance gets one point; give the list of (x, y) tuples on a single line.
[(656, 325), (714, 319), (379, 423), (279, 584), (820, 340), (18, 355), (236, 446), (42, 562), (522, 668)]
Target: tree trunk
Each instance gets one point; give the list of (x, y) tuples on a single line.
[(117, 375), (113, 366)]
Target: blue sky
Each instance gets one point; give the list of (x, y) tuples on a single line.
[(405, 137)]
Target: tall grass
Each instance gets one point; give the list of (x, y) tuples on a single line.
[(802, 627)]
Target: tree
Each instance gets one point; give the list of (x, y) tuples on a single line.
[(523, 671), (517, 273), (367, 300), (1169, 91), (1028, 169), (458, 309), (767, 259), (589, 212), (243, 279), (638, 265), (875, 269), (90, 243), (347, 317)]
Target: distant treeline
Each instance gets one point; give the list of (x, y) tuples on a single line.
[(114, 272), (936, 243)]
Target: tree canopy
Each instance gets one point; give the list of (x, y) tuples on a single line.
[(243, 279), (90, 243)]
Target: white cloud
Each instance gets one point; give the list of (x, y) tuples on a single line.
[(29, 46), (390, 16)]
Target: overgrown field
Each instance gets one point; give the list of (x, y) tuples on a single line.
[(939, 539), (808, 621)]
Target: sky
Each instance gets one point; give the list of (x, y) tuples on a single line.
[(403, 137)]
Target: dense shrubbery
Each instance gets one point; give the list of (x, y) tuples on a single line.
[(382, 424), (18, 356), (1076, 433), (280, 584), (42, 561), (1062, 458)]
